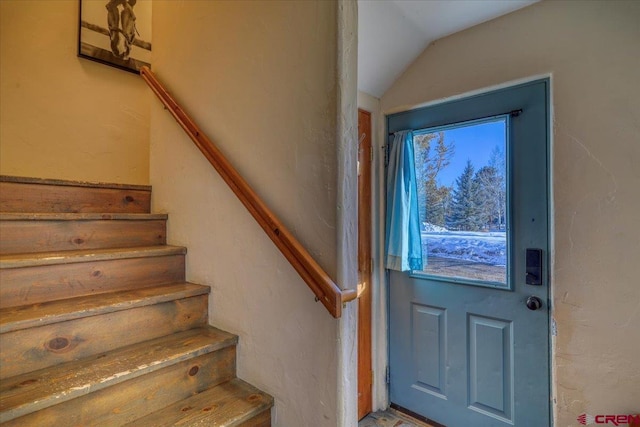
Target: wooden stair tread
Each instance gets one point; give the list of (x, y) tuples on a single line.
[(66, 216), (98, 325), (33, 391), (87, 255), (65, 182), (228, 404), (32, 315)]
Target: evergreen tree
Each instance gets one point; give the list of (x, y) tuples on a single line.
[(433, 154), (438, 197), (464, 212)]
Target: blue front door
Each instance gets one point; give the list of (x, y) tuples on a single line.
[(469, 335)]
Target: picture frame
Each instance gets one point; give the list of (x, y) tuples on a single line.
[(116, 33)]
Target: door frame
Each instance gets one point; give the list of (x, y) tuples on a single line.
[(378, 288), (365, 261), (380, 278)]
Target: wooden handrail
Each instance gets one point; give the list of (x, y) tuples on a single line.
[(325, 290)]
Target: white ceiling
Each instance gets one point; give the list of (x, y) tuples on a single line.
[(392, 33)]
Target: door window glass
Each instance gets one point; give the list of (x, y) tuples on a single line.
[(462, 194)]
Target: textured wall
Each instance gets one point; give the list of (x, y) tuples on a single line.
[(347, 207), (62, 116), (260, 79), (592, 50)]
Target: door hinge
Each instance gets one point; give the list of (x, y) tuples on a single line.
[(387, 376), (371, 378), (371, 266), (370, 155)]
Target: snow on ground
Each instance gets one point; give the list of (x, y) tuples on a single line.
[(427, 226), (485, 247)]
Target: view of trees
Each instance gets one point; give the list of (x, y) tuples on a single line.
[(476, 201), (432, 156)]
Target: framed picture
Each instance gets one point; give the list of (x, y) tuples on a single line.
[(116, 32)]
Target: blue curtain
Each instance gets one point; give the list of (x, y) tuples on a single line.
[(403, 245)]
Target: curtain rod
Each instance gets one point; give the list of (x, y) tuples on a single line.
[(512, 113)]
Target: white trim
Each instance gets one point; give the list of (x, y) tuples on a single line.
[(552, 253), (379, 324)]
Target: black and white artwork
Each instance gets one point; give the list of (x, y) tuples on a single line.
[(116, 32)]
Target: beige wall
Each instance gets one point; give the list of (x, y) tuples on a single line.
[(61, 116), (346, 207), (260, 79), (592, 50)]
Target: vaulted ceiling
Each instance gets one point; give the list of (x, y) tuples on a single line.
[(392, 33)]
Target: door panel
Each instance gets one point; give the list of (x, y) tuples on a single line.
[(428, 335), (490, 365), (466, 351)]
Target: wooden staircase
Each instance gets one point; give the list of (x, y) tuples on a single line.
[(97, 324)]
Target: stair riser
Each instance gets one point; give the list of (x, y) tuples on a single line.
[(106, 359), (30, 285), (129, 400), (19, 197), (49, 236), (36, 348), (261, 420)]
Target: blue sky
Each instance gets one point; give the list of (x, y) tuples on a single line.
[(474, 143)]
